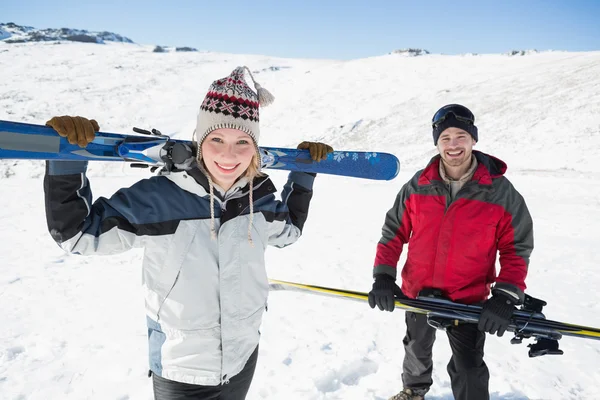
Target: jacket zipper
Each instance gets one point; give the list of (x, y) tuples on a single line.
[(448, 194)]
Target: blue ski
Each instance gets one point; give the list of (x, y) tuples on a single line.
[(38, 142)]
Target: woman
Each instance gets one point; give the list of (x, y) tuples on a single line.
[(204, 230)]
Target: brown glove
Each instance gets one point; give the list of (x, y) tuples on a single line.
[(318, 151), (77, 130)]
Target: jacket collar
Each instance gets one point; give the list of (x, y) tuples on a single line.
[(488, 168), (195, 181)]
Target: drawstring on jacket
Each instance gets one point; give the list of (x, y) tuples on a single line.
[(213, 231)]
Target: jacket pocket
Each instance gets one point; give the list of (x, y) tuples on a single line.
[(164, 257), (249, 331)]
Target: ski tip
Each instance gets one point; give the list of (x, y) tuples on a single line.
[(397, 169)]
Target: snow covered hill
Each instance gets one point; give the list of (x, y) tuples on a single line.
[(74, 327)]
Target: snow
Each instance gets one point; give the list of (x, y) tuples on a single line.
[(74, 327)]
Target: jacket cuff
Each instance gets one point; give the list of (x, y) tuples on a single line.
[(510, 290), (54, 167), (302, 178), (385, 269)]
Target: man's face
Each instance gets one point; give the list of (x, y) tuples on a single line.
[(455, 147)]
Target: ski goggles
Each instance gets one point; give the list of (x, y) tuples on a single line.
[(461, 113)]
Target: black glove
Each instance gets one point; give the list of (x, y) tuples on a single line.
[(382, 294), (496, 313)]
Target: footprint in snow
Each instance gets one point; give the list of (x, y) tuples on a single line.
[(348, 375), (12, 352)]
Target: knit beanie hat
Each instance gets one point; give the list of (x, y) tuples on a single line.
[(231, 103), (453, 116)]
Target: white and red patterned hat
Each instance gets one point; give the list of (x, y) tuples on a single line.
[(231, 103)]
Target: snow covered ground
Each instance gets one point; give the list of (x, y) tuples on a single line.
[(74, 327)]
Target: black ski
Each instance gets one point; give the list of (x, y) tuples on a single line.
[(527, 322)]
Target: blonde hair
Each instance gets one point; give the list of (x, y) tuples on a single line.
[(253, 170)]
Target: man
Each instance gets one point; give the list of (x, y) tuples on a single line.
[(456, 215)]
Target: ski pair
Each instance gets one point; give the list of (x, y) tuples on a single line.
[(153, 149), (527, 322)]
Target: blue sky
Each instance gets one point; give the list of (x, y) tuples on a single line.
[(328, 28)]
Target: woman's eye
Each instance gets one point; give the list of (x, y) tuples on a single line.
[(216, 139), (243, 142)]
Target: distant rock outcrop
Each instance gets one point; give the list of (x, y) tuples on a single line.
[(184, 49), (13, 33), (411, 52), (271, 68), (521, 52), (167, 49)]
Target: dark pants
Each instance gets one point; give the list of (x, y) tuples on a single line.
[(469, 376), (236, 389)]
